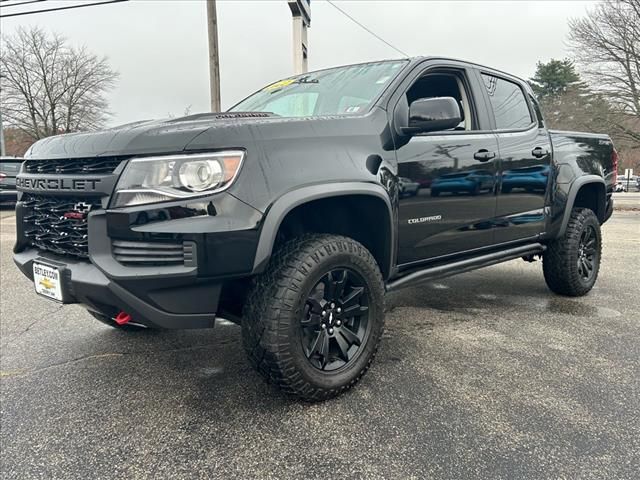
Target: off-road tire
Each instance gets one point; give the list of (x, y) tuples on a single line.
[(275, 305), (560, 260), (127, 327)]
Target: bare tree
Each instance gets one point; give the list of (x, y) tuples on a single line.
[(606, 44), (48, 87)]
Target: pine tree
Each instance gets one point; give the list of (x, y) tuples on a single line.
[(554, 78)]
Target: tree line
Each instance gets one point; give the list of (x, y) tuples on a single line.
[(48, 87), (598, 89)]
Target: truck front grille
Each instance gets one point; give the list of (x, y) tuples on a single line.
[(97, 165), (58, 224)]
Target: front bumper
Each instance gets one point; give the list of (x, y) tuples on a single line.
[(162, 296), (83, 282)]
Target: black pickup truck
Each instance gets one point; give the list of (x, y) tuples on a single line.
[(296, 211)]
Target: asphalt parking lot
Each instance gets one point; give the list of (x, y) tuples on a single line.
[(485, 375)]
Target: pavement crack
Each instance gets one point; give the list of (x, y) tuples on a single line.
[(17, 373), (24, 372), (38, 320), (32, 324)]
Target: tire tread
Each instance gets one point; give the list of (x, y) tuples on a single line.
[(275, 293), (559, 272)]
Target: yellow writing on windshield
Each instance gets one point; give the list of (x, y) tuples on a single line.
[(280, 84)]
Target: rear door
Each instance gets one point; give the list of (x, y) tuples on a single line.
[(447, 200), (524, 161)]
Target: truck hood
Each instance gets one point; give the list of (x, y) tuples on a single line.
[(145, 137)]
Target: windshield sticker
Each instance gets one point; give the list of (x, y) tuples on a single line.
[(280, 84), (290, 81), (307, 79)]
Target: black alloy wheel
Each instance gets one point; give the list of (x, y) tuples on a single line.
[(587, 253), (336, 319), (571, 262), (313, 319)]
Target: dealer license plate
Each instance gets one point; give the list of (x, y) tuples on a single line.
[(48, 281)]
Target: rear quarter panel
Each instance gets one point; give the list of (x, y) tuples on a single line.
[(577, 155)]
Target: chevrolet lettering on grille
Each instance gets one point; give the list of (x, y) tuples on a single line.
[(47, 184)]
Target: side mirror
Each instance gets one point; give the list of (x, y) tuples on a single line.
[(433, 114)]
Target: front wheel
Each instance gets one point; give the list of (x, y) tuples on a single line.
[(571, 262), (313, 320)]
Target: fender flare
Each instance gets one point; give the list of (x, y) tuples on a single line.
[(279, 209), (577, 184)]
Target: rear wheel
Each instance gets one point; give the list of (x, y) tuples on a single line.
[(313, 320), (571, 263)]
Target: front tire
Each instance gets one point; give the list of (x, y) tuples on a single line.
[(312, 323), (571, 263)]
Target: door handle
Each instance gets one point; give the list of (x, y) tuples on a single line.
[(484, 155), (539, 152)]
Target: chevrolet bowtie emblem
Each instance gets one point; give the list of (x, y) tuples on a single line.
[(46, 283), (80, 211), (82, 207)]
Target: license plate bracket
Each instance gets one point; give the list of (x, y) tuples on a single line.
[(48, 281)]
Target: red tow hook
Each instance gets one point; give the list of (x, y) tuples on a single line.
[(122, 318)]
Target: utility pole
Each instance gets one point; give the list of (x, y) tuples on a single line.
[(3, 151), (214, 62), (301, 12)]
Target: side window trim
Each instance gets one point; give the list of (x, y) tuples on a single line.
[(470, 118), (537, 110), (532, 114)]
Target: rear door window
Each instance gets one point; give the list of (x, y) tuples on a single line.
[(509, 104)]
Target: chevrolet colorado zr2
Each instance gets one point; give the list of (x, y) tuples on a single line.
[(289, 213)]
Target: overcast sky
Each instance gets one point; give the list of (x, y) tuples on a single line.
[(160, 46)]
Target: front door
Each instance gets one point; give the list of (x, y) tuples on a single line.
[(447, 180)]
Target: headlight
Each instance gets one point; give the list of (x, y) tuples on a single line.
[(173, 177)]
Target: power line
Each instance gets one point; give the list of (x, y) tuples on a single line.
[(62, 8), (21, 3), (365, 28)]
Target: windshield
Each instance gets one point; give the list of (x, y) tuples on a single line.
[(337, 91)]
